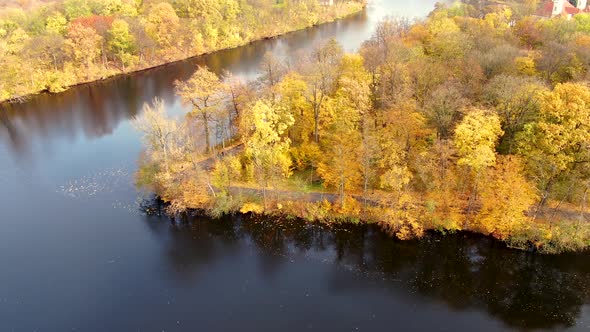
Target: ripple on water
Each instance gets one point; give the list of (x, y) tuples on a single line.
[(112, 185)]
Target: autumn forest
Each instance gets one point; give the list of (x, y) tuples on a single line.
[(52, 45), (476, 118)]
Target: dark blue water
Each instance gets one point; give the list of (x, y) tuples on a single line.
[(78, 253)]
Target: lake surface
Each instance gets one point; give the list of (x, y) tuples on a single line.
[(78, 253)]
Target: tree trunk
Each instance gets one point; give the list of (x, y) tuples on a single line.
[(230, 124), (54, 62), (206, 127), (583, 205), (264, 192), (316, 129)]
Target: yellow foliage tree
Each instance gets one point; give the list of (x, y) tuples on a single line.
[(162, 24), (475, 141), (290, 92), (265, 144), (340, 168), (204, 91), (506, 196), (83, 46), (559, 142), (476, 138)]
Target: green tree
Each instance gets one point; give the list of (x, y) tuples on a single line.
[(56, 23), (114, 7), (76, 8), (515, 100), (583, 22), (122, 43)]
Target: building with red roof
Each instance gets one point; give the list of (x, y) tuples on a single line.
[(564, 8)]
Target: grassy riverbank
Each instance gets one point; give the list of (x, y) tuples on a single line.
[(54, 46)]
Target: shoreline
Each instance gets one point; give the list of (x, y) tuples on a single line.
[(117, 75), (275, 212), (429, 234)]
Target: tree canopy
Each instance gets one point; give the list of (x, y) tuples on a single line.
[(475, 118), (107, 37)]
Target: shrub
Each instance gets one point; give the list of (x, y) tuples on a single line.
[(252, 208)]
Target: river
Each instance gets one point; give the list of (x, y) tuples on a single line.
[(78, 254)]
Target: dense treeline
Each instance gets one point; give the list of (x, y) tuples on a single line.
[(50, 46), (477, 118)]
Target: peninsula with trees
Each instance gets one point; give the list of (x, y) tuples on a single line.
[(476, 118)]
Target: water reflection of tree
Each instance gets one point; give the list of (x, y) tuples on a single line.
[(95, 110), (190, 247), (462, 271)]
